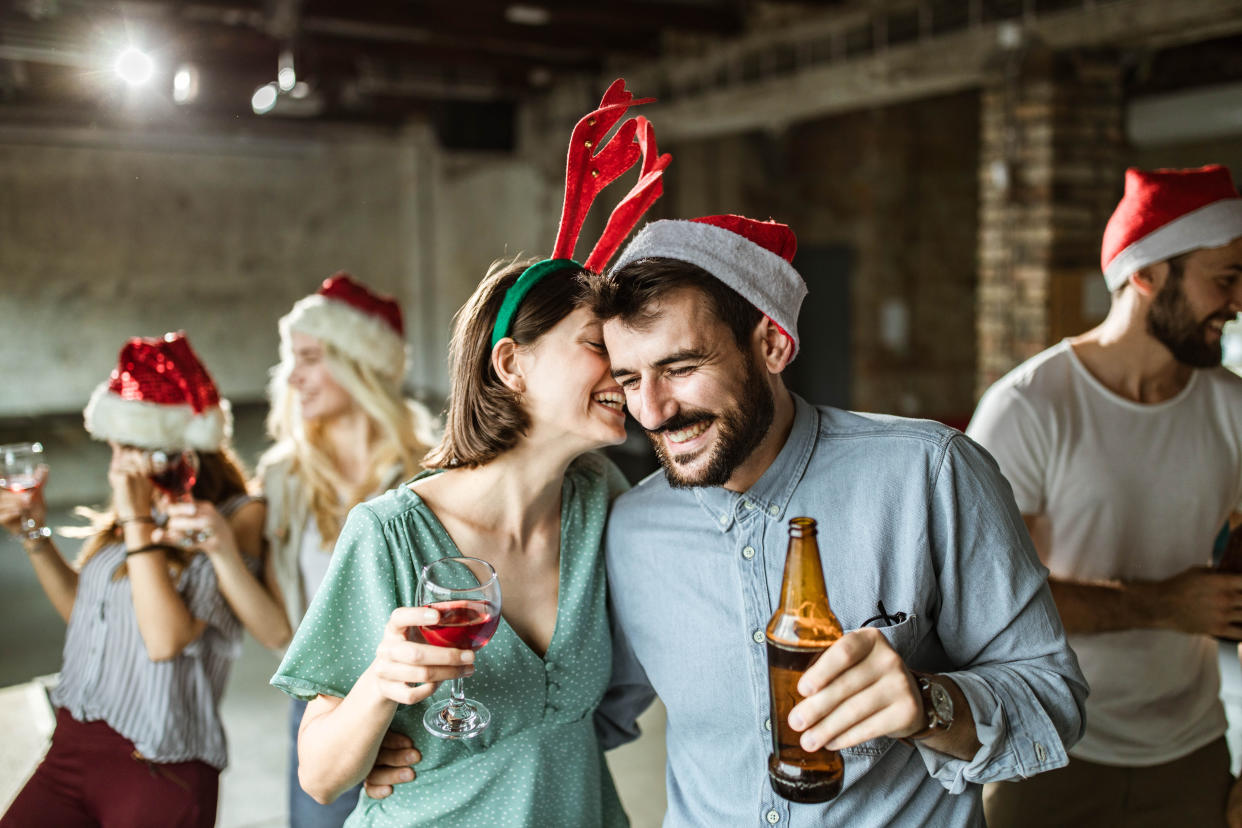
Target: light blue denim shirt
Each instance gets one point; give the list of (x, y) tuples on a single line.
[(911, 514)]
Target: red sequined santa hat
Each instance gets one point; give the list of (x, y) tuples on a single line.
[(364, 325), (159, 397), (1165, 213), (752, 257)]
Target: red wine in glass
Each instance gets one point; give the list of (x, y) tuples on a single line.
[(175, 473), (465, 625), (466, 593), (21, 483), (22, 470)]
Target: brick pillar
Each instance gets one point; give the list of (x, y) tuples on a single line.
[(1049, 177)]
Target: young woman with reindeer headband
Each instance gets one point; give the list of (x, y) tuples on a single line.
[(512, 481)]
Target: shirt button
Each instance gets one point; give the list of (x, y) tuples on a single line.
[(772, 510), (724, 520), (767, 725), (1040, 753), (772, 817), (748, 552), (748, 505), (757, 635)]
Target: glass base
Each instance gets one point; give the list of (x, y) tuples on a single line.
[(465, 721)]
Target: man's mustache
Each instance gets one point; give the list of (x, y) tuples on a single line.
[(680, 420)]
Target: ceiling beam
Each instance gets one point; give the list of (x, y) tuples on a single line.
[(708, 95)]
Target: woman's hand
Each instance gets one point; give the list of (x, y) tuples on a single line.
[(198, 525), (129, 475), (407, 670), (14, 506)]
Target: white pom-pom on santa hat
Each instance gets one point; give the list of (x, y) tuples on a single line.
[(1165, 213)]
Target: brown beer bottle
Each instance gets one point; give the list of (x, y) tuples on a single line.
[(802, 627)]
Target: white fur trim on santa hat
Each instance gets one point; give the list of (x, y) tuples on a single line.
[(1213, 225), (360, 336), (147, 425), (760, 276)]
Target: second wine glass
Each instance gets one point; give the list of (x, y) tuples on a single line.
[(466, 594), (175, 473)]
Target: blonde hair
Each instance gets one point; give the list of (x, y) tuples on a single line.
[(401, 432)]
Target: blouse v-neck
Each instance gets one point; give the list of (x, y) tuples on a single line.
[(437, 526)]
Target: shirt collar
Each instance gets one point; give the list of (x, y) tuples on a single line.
[(772, 491)]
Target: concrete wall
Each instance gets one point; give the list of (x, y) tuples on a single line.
[(108, 235)]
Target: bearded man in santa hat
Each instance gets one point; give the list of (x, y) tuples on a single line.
[(954, 670), (1124, 450)]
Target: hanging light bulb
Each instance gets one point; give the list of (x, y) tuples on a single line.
[(134, 66), (185, 83), (286, 77), (264, 98)]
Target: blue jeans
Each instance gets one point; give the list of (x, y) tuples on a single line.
[(305, 812)]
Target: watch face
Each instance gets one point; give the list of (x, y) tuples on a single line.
[(942, 703)]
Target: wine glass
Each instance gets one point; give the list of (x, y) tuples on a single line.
[(175, 474), (466, 593), (22, 470)]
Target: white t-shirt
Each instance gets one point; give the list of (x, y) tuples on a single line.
[(1132, 492), (313, 560)]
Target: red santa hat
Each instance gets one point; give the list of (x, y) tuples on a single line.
[(364, 325), (159, 396), (1165, 213), (752, 257)]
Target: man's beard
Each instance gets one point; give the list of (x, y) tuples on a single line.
[(1171, 321), (740, 429)]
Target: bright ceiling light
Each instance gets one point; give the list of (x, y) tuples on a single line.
[(185, 83), (286, 77), (135, 67), (264, 99), (524, 15)]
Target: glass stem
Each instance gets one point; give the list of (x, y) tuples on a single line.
[(457, 694)]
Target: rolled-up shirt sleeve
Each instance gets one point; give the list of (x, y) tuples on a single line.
[(998, 621)]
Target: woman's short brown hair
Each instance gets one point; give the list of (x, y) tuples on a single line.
[(485, 417)]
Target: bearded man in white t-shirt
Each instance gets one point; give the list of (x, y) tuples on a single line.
[(1124, 450)]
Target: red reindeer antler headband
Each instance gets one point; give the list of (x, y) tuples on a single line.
[(588, 171)]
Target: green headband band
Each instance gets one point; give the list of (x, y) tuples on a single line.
[(515, 294)]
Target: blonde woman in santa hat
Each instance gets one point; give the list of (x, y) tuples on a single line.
[(513, 482), (150, 639), (344, 433)]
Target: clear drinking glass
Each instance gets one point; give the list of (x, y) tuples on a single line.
[(175, 473), (22, 470), (466, 593)]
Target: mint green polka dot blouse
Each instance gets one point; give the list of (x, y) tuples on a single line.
[(538, 763)]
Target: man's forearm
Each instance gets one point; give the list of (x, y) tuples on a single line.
[(1108, 606)]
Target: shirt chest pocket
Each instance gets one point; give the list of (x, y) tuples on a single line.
[(903, 637)]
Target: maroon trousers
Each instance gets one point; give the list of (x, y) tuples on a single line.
[(92, 776)]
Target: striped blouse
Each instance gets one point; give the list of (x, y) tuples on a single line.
[(168, 709)]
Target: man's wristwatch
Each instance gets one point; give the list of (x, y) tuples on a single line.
[(937, 706)]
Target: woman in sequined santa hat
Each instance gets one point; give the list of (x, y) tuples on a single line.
[(514, 481), (150, 638), (344, 433)]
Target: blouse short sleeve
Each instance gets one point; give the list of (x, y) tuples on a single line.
[(337, 639)]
